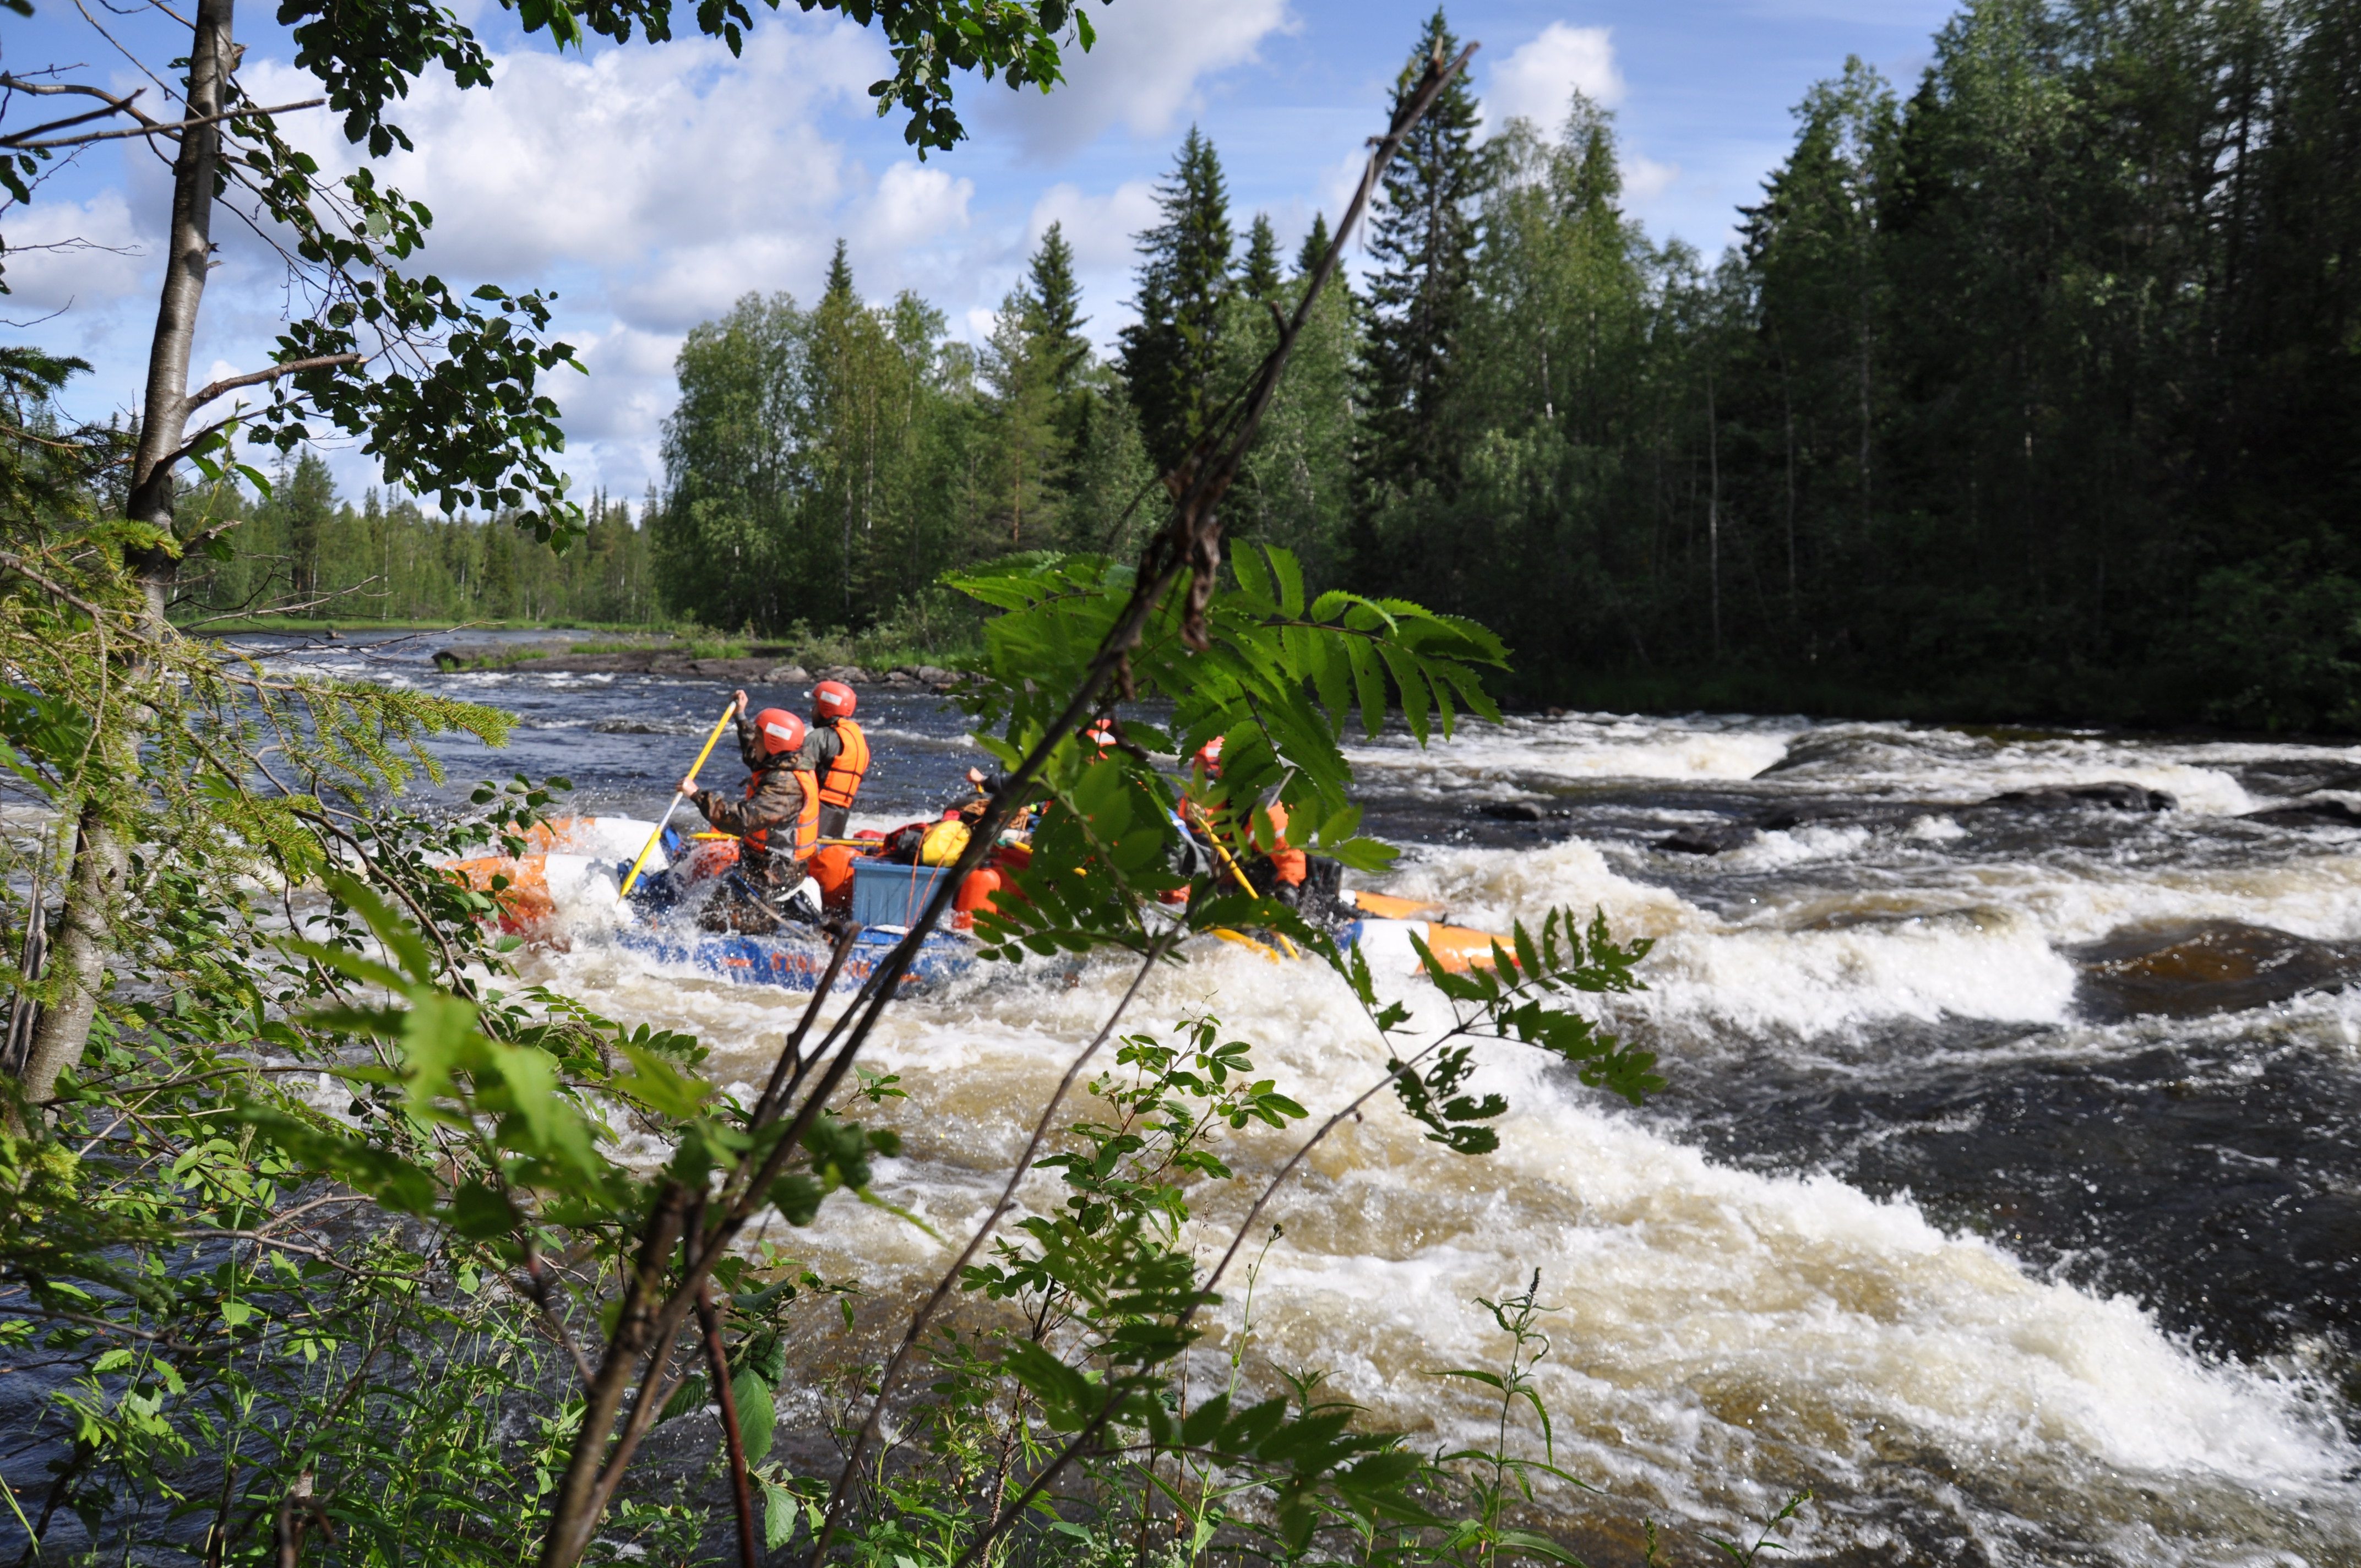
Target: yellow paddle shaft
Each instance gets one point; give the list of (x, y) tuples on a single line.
[(657, 837), (1233, 867)]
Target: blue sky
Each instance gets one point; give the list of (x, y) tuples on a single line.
[(650, 187)]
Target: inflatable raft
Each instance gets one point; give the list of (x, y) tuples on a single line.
[(796, 962), (563, 889)]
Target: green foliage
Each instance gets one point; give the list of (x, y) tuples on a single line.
[(1280, 681), (1505, 1000)]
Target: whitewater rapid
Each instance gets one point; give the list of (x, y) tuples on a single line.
[(1726, 1335), (2003, 1278)]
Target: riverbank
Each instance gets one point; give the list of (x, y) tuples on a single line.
[(776, 663)]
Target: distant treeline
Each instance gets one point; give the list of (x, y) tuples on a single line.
[(303, 550), (2031, 392)]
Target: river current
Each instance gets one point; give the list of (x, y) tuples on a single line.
[(2009, 1266)]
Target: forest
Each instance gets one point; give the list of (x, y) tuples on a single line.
[(2027, 394)]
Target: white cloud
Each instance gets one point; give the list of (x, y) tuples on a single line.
[(914, 206), (83, 254), (1645, 179), (1099, 228), (1539, 78), (616, 158), (1143, 73)]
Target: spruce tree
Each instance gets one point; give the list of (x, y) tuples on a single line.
[(1260, 276), (1315, 246), (1053, 316), (1170, 356), (1424, 238)]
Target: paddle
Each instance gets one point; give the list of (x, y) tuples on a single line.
[(657, 837)]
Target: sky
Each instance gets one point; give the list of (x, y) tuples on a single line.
[(650, 187)]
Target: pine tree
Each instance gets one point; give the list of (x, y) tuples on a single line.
[(1260, 277), (1424, 238), (1171, 357)]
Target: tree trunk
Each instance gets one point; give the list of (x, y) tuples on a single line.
[(101, 864)]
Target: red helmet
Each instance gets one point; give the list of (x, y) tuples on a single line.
[(1098, 736), (781, 731), (1209, 757), (832, 699)]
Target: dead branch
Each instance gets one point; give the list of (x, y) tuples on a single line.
[(212, 389), (147, 127)]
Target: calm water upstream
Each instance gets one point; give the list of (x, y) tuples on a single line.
[(2011, 1270)]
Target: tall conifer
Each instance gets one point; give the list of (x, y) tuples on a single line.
[(1315, 246), (1424, 238), (1170, 356), (1260, 276), (1053, 311)]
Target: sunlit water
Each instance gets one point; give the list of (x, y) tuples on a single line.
[(2002, 1282)]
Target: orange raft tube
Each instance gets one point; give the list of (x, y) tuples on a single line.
[(1387, 923)]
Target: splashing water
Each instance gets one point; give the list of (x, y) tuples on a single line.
[(2004, 1281)]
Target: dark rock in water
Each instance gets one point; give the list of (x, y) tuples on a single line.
[(2111, 796), (647, 727), (723, 669), (850, 674), (1702, 840), (2309, 814), (1515, 811), (787, 675), (2285, 776), (2213, 966), (1804, 813)]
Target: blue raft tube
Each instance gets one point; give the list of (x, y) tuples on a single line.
[(887, 899)]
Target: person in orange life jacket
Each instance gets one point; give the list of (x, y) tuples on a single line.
[(835, 752), (777, 818), (1277, 873)]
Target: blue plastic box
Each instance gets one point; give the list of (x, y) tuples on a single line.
[(887, 894)]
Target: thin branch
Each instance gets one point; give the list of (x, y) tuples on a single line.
[(733, 1438), (951, 1277), (146, 128), (212, 389), (10, 559), (537, 1284)]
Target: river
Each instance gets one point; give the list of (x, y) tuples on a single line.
[(2017, 1247)]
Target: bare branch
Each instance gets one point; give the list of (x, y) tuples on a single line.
[(734, 1438), (147, 127), (286, 607), (951, 1277), (536, 1275), (212, 389)]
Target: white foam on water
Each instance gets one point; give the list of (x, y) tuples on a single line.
[(1939, 763), (1724, 1334), (1981, 961), (1599, 746), (1798, 846)]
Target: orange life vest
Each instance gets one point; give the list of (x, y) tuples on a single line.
[(842, 780), (807, 838), (1288, 863)]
